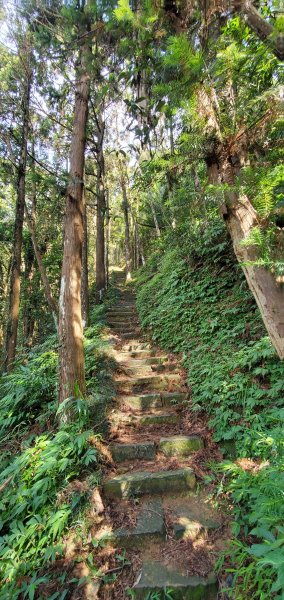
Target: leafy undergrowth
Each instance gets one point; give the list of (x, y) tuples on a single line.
[(41, 463), (194, 300)]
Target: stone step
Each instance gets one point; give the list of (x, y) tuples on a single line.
[(145, 482), (144, 401), (147, 370), (130, 335), (187, 525), (150, 526), (180, 445), (143, 450), (136, 369), (137, 346), (158, 418), (148, 360), (142, 353), (170, 446), (123, 327), (157, 577), (122, 320), (124, 304), (120, 312), (171, 382)]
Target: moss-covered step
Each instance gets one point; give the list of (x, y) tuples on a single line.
[(157, 418), (180, 445), (150, 526), (156, 577), (166, 367), (145, 482), (143, 450), (154, 382), (144, 401)]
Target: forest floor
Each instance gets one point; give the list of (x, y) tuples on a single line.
[(159, 532)]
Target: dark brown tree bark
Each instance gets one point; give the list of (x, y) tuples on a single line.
[(71, 351), (15, 279), (107, 237), (85, 268), (28, 320), (127, 245), (101, 211)]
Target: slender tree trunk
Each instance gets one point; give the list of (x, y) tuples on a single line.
[(28, 321), (107, 240), (126, 229), (15, 280), (140, 247), (155, 218), (71, 351), (85, 270), (101, 210), (44, 278)]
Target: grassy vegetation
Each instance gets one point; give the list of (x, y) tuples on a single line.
[(193, 299), (41, 460)]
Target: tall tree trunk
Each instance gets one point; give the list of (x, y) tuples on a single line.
[(269, 295), (107, 241), (15, 280), (126, 228), (71, 351), (101, 210), (28, 320), (85, 271), (240, 218)]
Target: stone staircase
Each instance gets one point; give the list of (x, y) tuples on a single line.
[(152, 448)]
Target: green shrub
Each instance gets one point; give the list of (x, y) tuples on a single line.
[(33, 515), (40, 460)]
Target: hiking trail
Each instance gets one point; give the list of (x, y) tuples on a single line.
[(154, 488)]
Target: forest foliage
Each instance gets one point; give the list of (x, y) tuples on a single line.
[(180, 180)]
